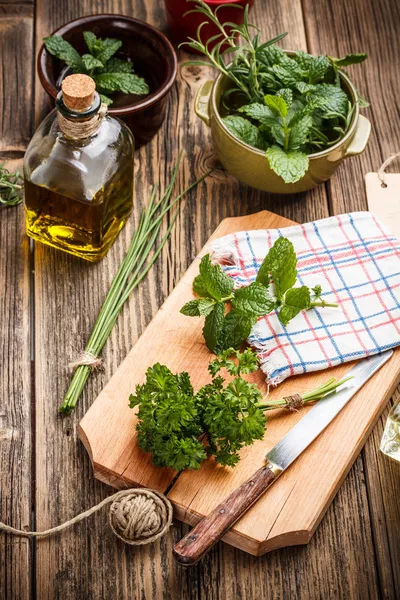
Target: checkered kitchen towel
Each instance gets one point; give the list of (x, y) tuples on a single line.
[(357, 263)]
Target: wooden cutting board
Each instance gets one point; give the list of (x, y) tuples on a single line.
[(291, 510)]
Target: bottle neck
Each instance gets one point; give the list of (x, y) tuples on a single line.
[(79, 125)]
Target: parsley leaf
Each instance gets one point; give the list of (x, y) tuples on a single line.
[(181, 428), (291, 165)]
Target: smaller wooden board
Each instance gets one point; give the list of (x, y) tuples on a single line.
[(290, 511)]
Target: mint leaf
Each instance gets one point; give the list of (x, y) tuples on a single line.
[(90, 41), (304, 88), (271, 55), (278, 133), (90, 62), (199, 287), (332, 98), (236, 329), (105, 99), (61, 49), (117, 65), (286, 94), (217, 283), (280, 263), (291, 165), (128, 83), (259, 112), (303, 59), (107, 48), (296, 300), (288, 73), (299, 132), (253, 300), (349, 59), (318, 68), (213, 327), (277, 104), (201, 307), (245, 131)]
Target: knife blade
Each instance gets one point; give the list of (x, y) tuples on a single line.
[(190, 549)]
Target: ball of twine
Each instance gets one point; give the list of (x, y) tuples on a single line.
[(140, 517), (137, 516)]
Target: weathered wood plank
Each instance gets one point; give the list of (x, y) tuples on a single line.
[(369, 26), (15, 400), (16, 68)]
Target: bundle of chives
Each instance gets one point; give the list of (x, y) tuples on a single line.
[(133, 269)]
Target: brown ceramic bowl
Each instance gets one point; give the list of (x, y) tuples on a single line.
[(153, 57)]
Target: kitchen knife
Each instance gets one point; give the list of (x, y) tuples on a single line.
[(213, 527)]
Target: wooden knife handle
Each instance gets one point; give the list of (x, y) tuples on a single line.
[(190, 549)]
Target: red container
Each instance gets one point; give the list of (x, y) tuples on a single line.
[(181, 27)]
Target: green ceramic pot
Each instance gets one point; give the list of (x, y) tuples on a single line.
[(250, 165)]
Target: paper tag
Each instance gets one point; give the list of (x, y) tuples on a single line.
[(385, 201)]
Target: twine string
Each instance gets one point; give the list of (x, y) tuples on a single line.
[(381, 171), (86, 359), (137, 516), (82, 129), (293, 402)]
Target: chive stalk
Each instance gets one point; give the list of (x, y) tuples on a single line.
[(133, 269)]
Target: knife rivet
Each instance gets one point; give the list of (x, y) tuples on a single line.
[(193, 537), (251, 482), (221, 511)]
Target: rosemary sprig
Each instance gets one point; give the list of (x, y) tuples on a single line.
[(133, 269), (10, 187)]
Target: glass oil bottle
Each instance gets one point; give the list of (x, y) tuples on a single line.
[(78, 171), (390, 444)]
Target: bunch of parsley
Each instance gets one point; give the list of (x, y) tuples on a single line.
[(223, 330), (110, 73), (289, 106), (181, 428)]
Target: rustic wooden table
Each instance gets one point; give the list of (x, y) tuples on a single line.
[(48, 302)]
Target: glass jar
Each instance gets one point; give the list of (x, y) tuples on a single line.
[(390, 444), (78, 171)]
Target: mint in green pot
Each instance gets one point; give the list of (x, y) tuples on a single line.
[(281, 121)]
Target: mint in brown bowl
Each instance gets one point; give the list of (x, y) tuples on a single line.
[(139, 67)]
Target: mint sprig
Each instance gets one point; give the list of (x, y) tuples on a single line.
[(292, 106), (274, 289), (110, 73)]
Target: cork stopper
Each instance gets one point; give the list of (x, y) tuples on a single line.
[(78, 91)]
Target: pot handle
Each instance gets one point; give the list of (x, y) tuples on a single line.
[(202, 101), (360, 139)]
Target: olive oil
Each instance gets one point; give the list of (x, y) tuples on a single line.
[(79, 175), (390, 444)]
